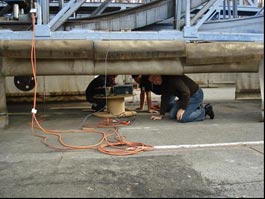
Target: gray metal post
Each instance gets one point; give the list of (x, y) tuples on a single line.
[(178, 4), (39, 13), (32, 4), (45, 11), (224, 9), (229, 9), (235, 15), (187, 22)]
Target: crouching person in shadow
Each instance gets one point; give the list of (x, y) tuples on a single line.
[(97, 86)]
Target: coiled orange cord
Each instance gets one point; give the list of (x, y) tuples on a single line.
[(122, 147), (132, 147)]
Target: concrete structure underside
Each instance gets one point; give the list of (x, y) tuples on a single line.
[(204, 37)]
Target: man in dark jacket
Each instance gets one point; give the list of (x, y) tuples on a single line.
[(97, 86), (188, 107)]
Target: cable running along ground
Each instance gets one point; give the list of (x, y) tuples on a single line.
[(117, 146)]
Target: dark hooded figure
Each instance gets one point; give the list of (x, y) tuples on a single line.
[(96, 86)]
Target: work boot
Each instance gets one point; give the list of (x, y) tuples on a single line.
[(209, 110)]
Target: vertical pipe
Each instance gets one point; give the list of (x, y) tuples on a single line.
[(15, 11), (229, 9), (224, 9), (175, 23), (45, 11), (39, 13), (177, 14), (187, 22), (235, 8), (31, 4)]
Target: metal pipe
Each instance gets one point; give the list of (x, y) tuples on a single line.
[(235, 14), (45, 11), (229, 9), (224, 9), (177, 15), (32, 4), (39, 12), (187, 23), (15, 11)]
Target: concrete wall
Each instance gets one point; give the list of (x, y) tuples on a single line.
[(67, 88)]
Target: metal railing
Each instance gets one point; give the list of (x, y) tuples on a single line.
[(113, 1)]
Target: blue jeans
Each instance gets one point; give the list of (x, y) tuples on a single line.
[(194, 111)]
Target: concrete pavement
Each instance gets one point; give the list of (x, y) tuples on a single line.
[(223, 157)]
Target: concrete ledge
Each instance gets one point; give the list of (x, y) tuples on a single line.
[(138, 50), (224, 52), (51, 49), (3, 120)]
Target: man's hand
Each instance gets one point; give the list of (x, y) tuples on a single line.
[(180, 114), (156, 117)]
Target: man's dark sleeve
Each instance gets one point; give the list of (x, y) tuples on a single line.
[(164, 103), (184, 91)]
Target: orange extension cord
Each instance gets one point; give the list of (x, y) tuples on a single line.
[(119, 147), (107, 123)]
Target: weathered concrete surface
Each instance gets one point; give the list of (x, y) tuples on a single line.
[(71, 57), (221, 52), (30, 169), (3, 109)]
